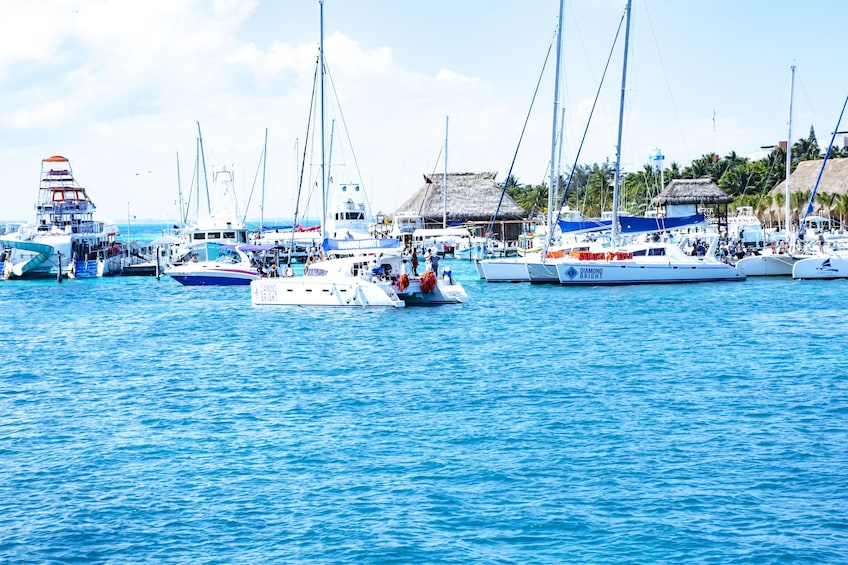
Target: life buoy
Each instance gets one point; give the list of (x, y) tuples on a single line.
[(428, 282), (403, 282)]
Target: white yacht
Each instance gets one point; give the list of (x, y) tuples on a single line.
[(222, 265), (65, 240)]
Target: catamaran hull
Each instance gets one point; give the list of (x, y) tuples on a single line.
[(542, 273), (445, 292), (39, 257), (768, 265), (825, 267), (305, 291), (595, 273), (503, 270)]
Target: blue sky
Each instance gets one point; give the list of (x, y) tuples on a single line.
[(118, 87)]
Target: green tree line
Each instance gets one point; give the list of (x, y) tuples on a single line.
[(747, 181)]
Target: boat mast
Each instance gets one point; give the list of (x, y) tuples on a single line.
[(620, 122), (789, 148), (183, 212), (554, 175), (323, 132), (445, 181), (205, 178), (262, 206)]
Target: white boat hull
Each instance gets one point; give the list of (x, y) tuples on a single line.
[(445, 292), (624, 272), (768, 265), (301, 291), (824, 267), (213, 276), (542, 273), (508, 269), (39, 256)]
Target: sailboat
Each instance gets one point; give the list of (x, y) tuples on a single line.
[(830, 263), (359, 270), (516, 269), (779, 263), (645, 260)]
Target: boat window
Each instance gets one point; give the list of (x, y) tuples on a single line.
[(58, 196), (640, 253), (214, 235), (316, 272), (200, 235), (656, 251), (229, 235)]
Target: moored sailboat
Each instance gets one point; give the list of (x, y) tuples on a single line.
[(831, 263), (354, 268), (779, 262), (642, 262)]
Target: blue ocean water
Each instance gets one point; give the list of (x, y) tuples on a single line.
[(142, 421)]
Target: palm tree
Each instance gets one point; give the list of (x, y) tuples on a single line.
[(806, 149), (825, 201), (841, 208), (779, 203), (797, 202)]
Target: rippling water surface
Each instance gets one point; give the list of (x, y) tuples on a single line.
[(143, 421)]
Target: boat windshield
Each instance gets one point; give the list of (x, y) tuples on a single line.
[(228, 257)]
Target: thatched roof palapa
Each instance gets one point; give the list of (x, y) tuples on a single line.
[(834, 178), (691, 191), (470, 197)]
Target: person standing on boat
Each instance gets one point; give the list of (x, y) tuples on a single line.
[(414, 258), (433, 260)]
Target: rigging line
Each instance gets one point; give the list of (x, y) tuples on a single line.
[(427, 185), (665, 76), (799, 80), (255, 178), (809, 209), (303, 160), (520, 138), (190, 191), (347, 136), (583, 139)]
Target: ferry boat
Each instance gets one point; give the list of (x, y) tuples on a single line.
[(65, 240)]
